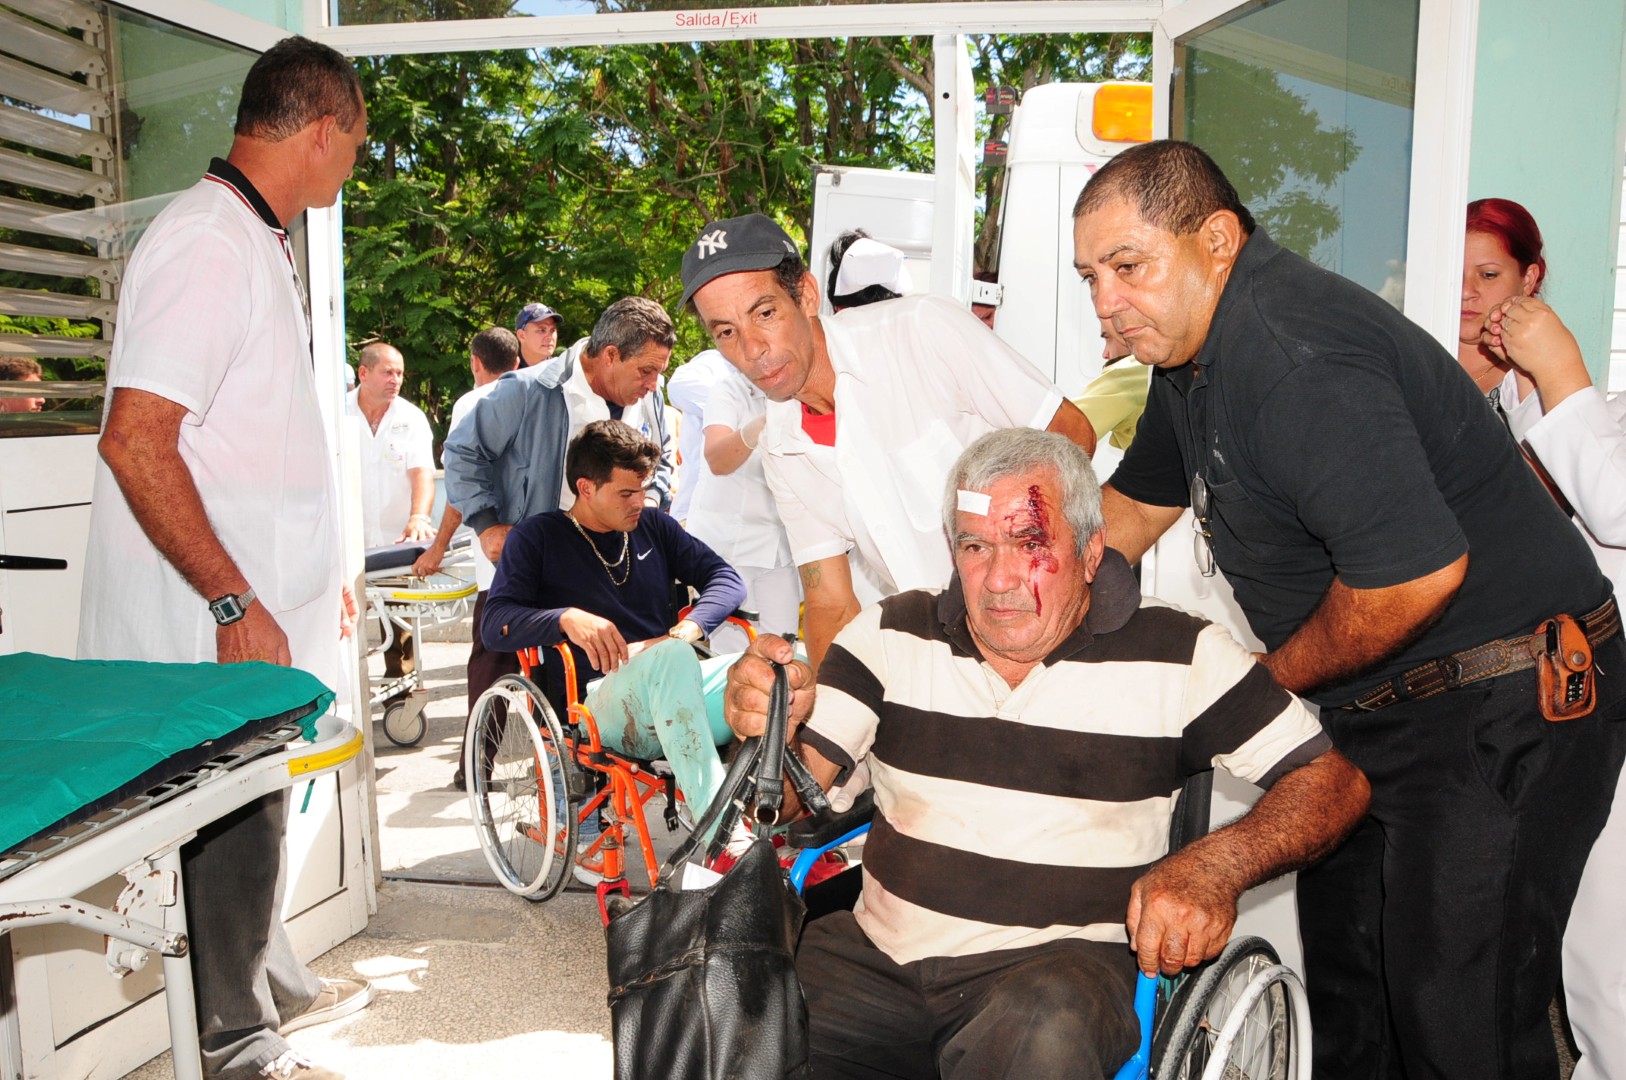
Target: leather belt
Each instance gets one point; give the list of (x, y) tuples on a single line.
[(1502, 657)]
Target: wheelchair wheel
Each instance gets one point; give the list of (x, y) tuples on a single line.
[(516, 763), (400, 730), (1187, 1039)]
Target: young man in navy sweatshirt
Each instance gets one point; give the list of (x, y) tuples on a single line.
[(599, 576)]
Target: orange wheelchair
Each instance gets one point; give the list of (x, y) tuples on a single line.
[(532, 781)]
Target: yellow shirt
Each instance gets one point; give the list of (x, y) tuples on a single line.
[(1115, 400)]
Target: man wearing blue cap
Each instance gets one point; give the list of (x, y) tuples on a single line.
[(537, 326), (868, 410)]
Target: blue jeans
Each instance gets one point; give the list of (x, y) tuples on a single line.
[(667, 703)]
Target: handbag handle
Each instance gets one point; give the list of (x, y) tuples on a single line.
[(768, 778)]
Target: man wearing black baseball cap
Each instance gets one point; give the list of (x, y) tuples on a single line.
[(869, 409), (538, 327)]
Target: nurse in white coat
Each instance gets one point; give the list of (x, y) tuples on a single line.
[(1578, 437)]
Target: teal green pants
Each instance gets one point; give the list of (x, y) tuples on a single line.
[(668, 703)]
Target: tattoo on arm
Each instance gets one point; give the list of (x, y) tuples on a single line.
[(812, 575)]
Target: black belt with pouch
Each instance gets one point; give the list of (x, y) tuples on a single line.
[(1560, 650)]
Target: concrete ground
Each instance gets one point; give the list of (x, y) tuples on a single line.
[(472, 980)]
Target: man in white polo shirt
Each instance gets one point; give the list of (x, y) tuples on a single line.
[(869, 409), (397, 470), (214, 530), (397, 453)]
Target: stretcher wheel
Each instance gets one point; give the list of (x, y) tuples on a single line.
[(402, 726), (515, 760), (1185, 1043)]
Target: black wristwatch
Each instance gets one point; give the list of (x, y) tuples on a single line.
[(229, 609)]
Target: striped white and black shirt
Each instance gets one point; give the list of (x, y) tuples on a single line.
[(1011, 817)]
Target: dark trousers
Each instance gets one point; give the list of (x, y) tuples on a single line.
[(485, 667), (401, 657), (246, 979), (1431, 938), (1064, 1009)]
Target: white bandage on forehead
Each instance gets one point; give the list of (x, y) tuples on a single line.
[(973, 502)]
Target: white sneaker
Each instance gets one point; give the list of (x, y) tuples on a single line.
[(585, 868), (290, 1066)]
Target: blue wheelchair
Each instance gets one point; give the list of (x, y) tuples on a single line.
[(1241, 1016)]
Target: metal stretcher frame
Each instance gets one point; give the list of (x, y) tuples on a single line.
[(140, 839), (403, 601), (400, 599)]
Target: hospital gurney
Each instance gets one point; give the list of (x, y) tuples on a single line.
[(402, 601), (109, 767)]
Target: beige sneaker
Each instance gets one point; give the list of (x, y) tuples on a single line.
[(338, 997), (290, 1066)]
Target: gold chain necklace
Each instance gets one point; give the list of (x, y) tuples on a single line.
[(609, 567)]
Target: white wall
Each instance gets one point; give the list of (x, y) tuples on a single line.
[(1617, 342)]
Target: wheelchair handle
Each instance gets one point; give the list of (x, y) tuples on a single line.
[(1139, 1066), (31, 562), (804, 862)]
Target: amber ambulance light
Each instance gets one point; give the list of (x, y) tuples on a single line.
[(1123, 112)]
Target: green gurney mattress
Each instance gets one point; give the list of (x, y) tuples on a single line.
[(78, 736)]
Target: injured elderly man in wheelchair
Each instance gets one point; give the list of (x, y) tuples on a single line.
[(1026, 731), (599, 576)]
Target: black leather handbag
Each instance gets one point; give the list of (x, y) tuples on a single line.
[(703, 981)]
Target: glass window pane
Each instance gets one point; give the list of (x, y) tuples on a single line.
[(105, 115), (1307, 106)]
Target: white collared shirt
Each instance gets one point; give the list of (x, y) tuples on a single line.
[(401, 443), (1581, 442), (211, 318), (917, 381), (689, 389)]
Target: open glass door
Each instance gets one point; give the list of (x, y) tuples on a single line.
[(1350, 151), (1350, 155)]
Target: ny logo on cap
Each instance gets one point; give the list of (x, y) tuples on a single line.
[(711, 243)]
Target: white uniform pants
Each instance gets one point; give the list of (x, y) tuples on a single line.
[(1595, 953)]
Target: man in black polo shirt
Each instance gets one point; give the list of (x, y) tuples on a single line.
[(1385, 539)]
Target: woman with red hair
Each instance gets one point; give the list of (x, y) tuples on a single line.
[(1517, 348), (1501, 262)]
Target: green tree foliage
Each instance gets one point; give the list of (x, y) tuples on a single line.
[(1276, 151), (575, 176)]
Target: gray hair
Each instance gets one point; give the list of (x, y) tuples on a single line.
[(1018, 451), (629, 324)]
